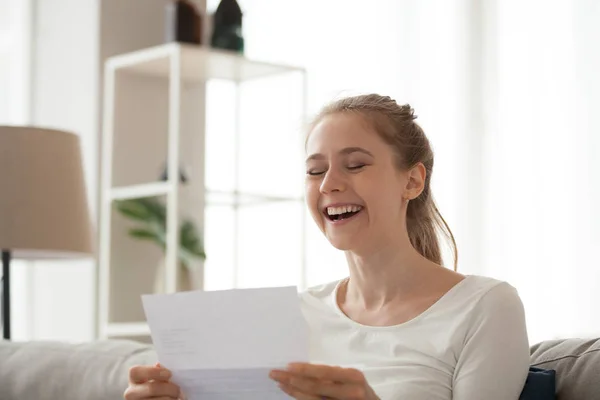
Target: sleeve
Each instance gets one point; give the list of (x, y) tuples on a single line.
[(494, 361)]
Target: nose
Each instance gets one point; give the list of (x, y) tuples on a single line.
[(333, 181)]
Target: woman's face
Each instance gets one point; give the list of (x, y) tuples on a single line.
[(353, 188)]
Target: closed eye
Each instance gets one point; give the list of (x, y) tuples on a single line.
[(356, 167), (320, 172)]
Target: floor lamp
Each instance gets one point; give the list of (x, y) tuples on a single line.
[(43, 203)]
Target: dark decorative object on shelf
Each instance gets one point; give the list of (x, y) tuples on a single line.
[(182, 176), (227, 27), (183, 22)]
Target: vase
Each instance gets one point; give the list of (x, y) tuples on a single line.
[(227, 27), (183, 22), (188, 277)]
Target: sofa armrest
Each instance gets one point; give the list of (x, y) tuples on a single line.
[(577, 366)]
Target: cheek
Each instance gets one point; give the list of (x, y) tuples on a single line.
[(311, 193), (391, 207), (384, 202)]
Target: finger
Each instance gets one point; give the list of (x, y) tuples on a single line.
[(328, 389), (327, 373), (137, 392), (280, 376), (144, 373), (286, 377), (160, 398), (297, 394), (159, 389)]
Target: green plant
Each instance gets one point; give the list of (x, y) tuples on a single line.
[(152, 214)]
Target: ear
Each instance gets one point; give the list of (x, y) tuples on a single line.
[(416, 181)]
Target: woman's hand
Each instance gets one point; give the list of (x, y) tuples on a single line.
[(304, 381), (151, 382)]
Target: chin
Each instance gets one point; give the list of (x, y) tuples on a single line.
[(343, 243)]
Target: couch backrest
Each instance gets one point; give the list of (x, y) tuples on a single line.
[(577, 366), (99, 370), (52, 370)]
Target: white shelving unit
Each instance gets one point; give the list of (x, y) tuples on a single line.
[(171, 76), (137, 191)]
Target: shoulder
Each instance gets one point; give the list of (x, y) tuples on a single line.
[(485, 292), (319, 300), (479, 300), (494, 344), (492, 303), (319, 293)]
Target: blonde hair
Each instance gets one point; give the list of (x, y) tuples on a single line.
[(396, 126)]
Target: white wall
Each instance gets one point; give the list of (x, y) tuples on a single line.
[(15, 24), (71, 39), (65, 96)]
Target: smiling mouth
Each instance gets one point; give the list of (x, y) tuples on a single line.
[(342, 212)]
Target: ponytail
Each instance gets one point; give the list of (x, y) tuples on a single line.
[(424, 222)]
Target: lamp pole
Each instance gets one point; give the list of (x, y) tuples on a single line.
[(6, 294)]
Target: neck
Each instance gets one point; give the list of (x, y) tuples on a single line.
[(390, 273)]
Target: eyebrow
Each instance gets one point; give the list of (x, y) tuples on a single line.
[(345, 151)]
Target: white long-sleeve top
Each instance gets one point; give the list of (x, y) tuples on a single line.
[(470, 345)]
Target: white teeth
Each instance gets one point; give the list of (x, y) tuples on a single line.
[(342, 209)]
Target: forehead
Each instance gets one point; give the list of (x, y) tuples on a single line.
[(342, 130)]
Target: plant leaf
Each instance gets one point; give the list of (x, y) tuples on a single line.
[(190, 240), (152, 212), (157, 209), (141, 233), (188, 257), (145, 234), (133, 210), (144, 209)]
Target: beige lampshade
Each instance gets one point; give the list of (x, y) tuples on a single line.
[(43, 204)]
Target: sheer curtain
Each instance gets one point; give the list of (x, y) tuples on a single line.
[(507, 91), (542, 174)]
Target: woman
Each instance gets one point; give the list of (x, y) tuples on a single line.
[(400, 326)]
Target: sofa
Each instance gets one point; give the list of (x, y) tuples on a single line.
[(98, 370)]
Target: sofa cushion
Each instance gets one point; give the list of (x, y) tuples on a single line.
[(540, 385), (91, 371), (577, 366)]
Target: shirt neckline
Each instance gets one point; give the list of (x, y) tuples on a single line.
[(411, 321)]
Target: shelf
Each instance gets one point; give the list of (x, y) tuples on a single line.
[(139, 191), (224, 198), (213, 197), (198, 63), (127, 329)]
